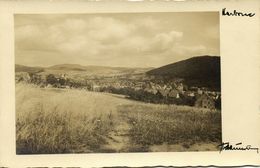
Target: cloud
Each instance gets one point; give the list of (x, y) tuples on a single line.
[(107, 40), (29, 37), (95, 35), (198, 49), (165, 41), (212, 32)]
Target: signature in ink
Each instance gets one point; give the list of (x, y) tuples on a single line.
[(237, 146)]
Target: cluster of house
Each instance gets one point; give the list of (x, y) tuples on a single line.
[(172, 89), (203, 97)]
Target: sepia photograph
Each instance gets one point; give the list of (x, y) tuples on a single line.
[(117, 82)]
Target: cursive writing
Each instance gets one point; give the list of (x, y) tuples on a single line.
[(236, 13), (228, 146)]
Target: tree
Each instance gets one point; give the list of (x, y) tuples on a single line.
[(62, 81), (51, 79)]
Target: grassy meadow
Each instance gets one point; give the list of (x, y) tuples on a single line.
[(76, 121), (186, 126)]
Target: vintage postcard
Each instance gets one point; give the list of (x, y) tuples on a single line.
[(95, 84)]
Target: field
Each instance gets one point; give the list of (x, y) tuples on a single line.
[(76, 121)]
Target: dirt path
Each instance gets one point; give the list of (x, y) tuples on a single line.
[(118, 139)]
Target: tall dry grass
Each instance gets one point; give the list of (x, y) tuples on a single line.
[(62, 121), (75, 121), (158, 124)]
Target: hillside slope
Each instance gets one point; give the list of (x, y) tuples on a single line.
[(197, 71)]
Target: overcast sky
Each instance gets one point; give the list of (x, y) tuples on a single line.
[(122, 40)]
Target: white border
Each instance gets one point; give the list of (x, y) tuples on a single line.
[(240, 84)]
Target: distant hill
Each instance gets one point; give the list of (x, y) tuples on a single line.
[(22, 68), (197, 71), (67, 67), (97, 70), (82, 70)]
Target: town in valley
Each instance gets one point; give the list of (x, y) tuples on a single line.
[(129, 82)]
